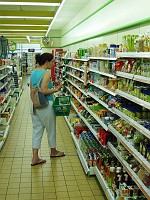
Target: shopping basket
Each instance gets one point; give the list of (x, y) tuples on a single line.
[(62, 105)]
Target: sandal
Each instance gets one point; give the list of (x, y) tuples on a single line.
[(39, 162), (59, 154)]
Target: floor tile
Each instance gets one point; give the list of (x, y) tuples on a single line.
[(58, 179)]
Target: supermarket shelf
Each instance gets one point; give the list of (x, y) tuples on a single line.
[(134, 99), (133, 175), (87, 170), (75, 77), (83, 59), (102, 58), (99, 101), (3, 85), (5, 136), (20, 92), (133, 54), (2, 77), (4, 67), (103, 88), (12, 113), (91, 112), (130, 148), (106, 189), (102, 73), (6, 105), (142, 79), (78, 87), (85, 121), (69, 125), (6, 96), (139, 78), (133, 123), (75, 68), (66, 58), (124, 75), (79, 59)]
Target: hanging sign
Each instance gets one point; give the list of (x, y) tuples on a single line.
[(12, 46)]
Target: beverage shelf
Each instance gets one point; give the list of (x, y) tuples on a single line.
[(130, 148), (104, 184), (133, 175), (132, 122), (134, 99), (88, 170)]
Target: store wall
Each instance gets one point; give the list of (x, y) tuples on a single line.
[(109, 22)]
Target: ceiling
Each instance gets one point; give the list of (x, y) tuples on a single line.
[(25, 21)]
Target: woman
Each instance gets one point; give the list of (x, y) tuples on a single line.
[(44, 117)]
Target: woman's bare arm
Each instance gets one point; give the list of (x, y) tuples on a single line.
[(45, 82)]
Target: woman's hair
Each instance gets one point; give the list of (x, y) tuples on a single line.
[(37, 58), (45, 57)]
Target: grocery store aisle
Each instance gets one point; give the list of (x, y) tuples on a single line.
[(59, 178)]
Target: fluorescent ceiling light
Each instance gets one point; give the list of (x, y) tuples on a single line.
[(20, 34), (24, 25), (59, 9), (28, 38), (9, 38), (28, 3), (23, 17), (22, 30)]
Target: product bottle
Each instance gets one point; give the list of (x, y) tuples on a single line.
[(112, 174), (145, 146)]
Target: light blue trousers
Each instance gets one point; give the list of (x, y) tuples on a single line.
[(41, 119)]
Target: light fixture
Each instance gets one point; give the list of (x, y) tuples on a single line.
[(23, 34), (24, 17), (28, 38), (22, 30), (24, 25), (59, 9), (28, 3)]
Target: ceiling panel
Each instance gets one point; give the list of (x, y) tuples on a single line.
[(15, 21)]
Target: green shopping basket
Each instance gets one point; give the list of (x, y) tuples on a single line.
[(62, 105)]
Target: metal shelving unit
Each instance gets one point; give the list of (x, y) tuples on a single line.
[(134, 99), (132, 122), (133, 175), (103, 88), (90, 111), (131, 149)]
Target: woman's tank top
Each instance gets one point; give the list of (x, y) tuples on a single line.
[(35, 78)]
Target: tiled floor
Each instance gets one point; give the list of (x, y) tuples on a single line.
[(59, 178)]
